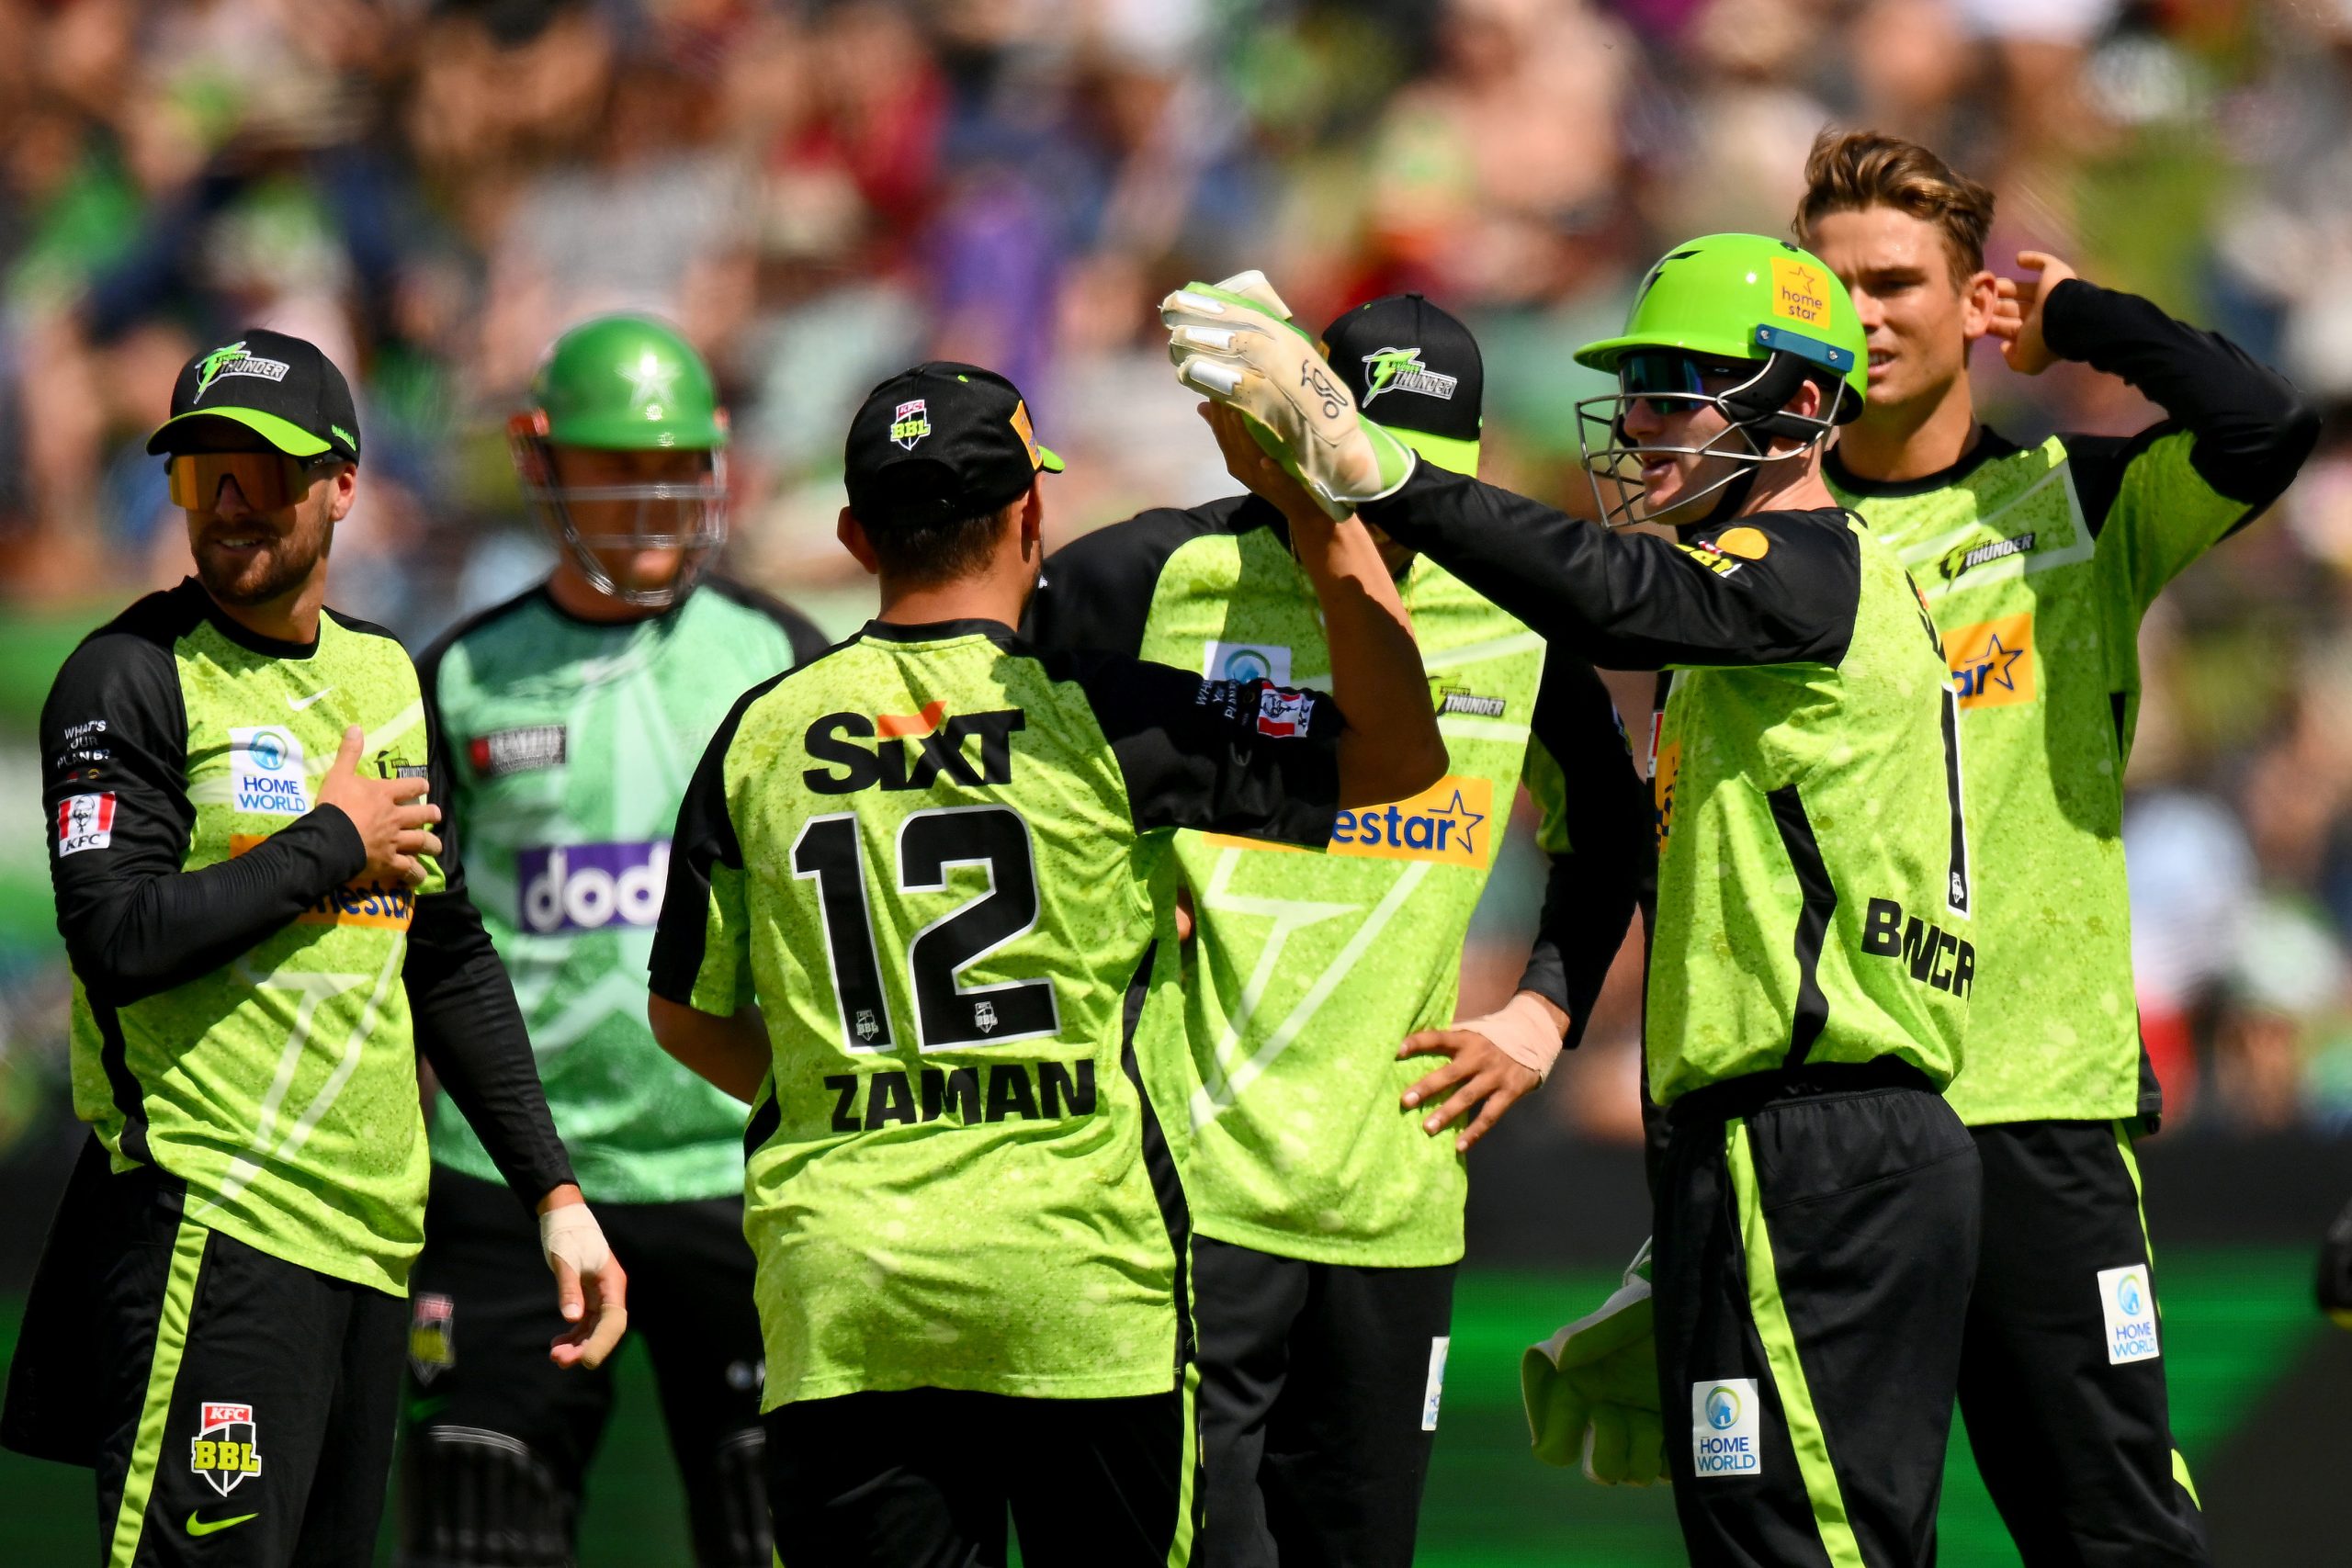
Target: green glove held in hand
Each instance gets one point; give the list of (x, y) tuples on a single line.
[(1233, 341), (1591, 1389)]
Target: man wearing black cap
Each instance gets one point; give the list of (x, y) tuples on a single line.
[(919, 915), (1329, 1217), (264, 926)]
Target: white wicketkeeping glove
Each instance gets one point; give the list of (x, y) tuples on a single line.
[(1234, 342), (1591, 1389)]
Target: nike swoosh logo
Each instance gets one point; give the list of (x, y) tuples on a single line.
[(199, 1527), (298, 704)]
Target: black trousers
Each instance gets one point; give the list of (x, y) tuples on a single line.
[(925, 1477), (482, 1312), (1319, 1386), (2063, 1391), (244, 1403), (1816, 1234)]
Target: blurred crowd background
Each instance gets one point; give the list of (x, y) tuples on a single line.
[(822, 193)]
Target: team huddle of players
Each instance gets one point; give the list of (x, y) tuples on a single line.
[(1083, 934)]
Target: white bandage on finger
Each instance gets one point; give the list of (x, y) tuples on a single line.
[(572, 1234), (1522, 1030)]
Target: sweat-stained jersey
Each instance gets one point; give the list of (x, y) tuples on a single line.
[(570, 742), (1306, 971), (247, 1028), (1814, 891), (2038, 563), (932, 859)]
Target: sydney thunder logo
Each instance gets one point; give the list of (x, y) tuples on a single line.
[(1401, 370), (232, 360)]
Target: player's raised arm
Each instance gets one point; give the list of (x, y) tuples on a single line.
[(1390, 748)]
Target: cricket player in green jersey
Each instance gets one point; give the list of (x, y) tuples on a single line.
[(2039, 561), (264, 928), (1327, 1194), (1816, 1215), (574, 713), (921, 902)]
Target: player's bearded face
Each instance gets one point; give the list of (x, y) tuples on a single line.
[(1914, 313), (249, 557)]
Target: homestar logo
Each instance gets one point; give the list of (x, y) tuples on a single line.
[(1992, 663), (1442, 824), (1401, 370)]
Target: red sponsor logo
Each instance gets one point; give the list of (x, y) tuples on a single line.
[(84, 822)]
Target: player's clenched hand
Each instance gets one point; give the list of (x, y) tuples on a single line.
[(591, 1287), (1260, 475), (393, 820), (1234, 341), (2017, 312)]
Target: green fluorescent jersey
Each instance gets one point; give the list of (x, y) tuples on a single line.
[(1814, 890), (272, 1068), (1306, 971), (572, 742), (932, 859), (2038, 563)]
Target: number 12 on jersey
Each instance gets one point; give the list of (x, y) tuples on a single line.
[(831, 853)]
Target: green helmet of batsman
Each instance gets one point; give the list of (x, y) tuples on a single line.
[(626, 384), (1739, 321)]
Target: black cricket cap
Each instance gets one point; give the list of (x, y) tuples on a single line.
[(282, 388), (940, 442), (1417, 371)]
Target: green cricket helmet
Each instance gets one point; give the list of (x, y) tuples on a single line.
[(1737, 322), (626, 383)]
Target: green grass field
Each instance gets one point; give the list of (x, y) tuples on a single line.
[(2237, 1319)]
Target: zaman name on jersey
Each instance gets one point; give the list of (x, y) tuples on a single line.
[(1016, 1091)]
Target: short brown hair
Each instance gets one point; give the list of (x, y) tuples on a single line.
[(1851, 171), (927, 554)]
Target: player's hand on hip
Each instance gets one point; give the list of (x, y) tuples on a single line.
[(591, 1286), (2017, 312), (1494, 1061), (394, 820)]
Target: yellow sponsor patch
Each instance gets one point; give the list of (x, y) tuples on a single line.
[(1799, 291), (1027, 432), (1450, 823), (1747, 544), (1992, 662), (353, 904)]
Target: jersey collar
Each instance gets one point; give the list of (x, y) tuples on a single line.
[(1990, 443), (938, 631), (245, 637)]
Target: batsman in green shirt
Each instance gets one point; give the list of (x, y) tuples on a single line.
[(2039, 561), (1325, 1165), (922, 914), (1815, 1221), (574, 712)]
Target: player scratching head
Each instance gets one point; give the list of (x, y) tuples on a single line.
[(263, 449), (622, 452), (1741, 356), (1905, 233), (944, 507)]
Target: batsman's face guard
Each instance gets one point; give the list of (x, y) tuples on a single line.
[(642, 526), (1682, 429), (621, 452)]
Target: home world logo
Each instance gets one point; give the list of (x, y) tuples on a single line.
[(1723, 1438)]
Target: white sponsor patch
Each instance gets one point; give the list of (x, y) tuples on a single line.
[(84, 822), (1434, 1390), (2128, 1302), (1247, 661), (265, 767), (1724, 1428)]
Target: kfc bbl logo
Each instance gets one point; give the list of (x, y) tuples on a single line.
[(225, 1452), (432, 1343), (984, 1015)]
